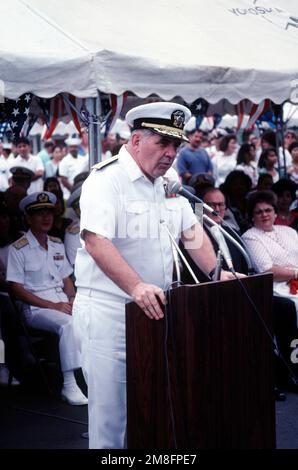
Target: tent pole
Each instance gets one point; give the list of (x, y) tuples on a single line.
[(94, 144)]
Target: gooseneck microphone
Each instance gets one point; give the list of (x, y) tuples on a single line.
[(219, 238), (175, 187)]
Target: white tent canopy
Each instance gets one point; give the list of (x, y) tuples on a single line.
[(215, 49)]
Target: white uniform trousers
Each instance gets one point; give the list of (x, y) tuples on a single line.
[(58, 322), (99, 325)]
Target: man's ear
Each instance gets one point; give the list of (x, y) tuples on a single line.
[(135, 140)]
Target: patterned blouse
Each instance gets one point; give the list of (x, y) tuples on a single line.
[(279, 247)]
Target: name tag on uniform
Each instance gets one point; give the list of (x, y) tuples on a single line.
[(58, 257)]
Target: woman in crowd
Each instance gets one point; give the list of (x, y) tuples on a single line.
[(224, 161), (246, 162), (273, 248), (268, 162), (51, 167), (286, 195), (293, 169)]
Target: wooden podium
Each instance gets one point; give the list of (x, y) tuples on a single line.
[(209, 385)]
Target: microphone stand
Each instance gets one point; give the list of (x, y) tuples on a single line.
[(235, 243), (176, 249), (217, 271), (175, 187)]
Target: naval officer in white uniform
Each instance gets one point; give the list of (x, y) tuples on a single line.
[(126, 255), (39, 274)]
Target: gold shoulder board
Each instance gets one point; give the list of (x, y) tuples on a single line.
[(21, 243), (106, 162), (55, 239), (74, 229)]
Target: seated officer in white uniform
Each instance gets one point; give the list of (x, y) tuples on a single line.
[(39, 274), (72, 233), (127, 256)]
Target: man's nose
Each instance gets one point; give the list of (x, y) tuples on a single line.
[(171, 151)]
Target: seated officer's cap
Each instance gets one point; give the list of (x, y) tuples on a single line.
[(21, 172), (164, 118), (36, 201), (74, 197)]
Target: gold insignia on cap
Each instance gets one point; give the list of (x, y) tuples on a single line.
[(166, 130), (43, 197), (178, 118)]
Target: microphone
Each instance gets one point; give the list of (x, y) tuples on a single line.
[(175, 187), (217, 271), (219, 238)]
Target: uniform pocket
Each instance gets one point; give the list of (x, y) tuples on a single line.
[(33, 273), (137, 219)]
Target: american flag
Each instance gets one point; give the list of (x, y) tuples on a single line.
[(65, 103), (17, 113), (55, 108), (254, 112), (112, 106), (3, 128), (199, 109)]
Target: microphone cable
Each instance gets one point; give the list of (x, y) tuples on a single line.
[(272, 338)]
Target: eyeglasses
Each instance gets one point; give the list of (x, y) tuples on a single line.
[(217, 204), (268, 210)]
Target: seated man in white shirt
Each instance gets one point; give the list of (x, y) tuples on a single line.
[(72, 164), (32, 162), (39, 274)]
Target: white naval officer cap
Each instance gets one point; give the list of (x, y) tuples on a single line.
[(7, 146), (74, 197), (73, 141), (37, 201), (164, 118)]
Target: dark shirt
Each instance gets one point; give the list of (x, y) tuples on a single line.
[(238, 259)]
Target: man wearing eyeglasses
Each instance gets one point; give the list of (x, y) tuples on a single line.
[(216, 199)]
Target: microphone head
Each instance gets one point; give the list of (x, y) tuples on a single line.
[(173, 187)]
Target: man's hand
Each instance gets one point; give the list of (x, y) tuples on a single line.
[(146, 296), (65, 307), (228, 276)]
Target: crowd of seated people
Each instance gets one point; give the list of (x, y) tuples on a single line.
[(226, 174)]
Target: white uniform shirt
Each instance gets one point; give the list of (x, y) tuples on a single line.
[(120, 203), (34, 164), (4, 175), (70, 167), (34, 267), (72, 241)]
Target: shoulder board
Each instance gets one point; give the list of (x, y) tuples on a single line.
[(55, 239), (21, 243), (73, 228), (104, 163)]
